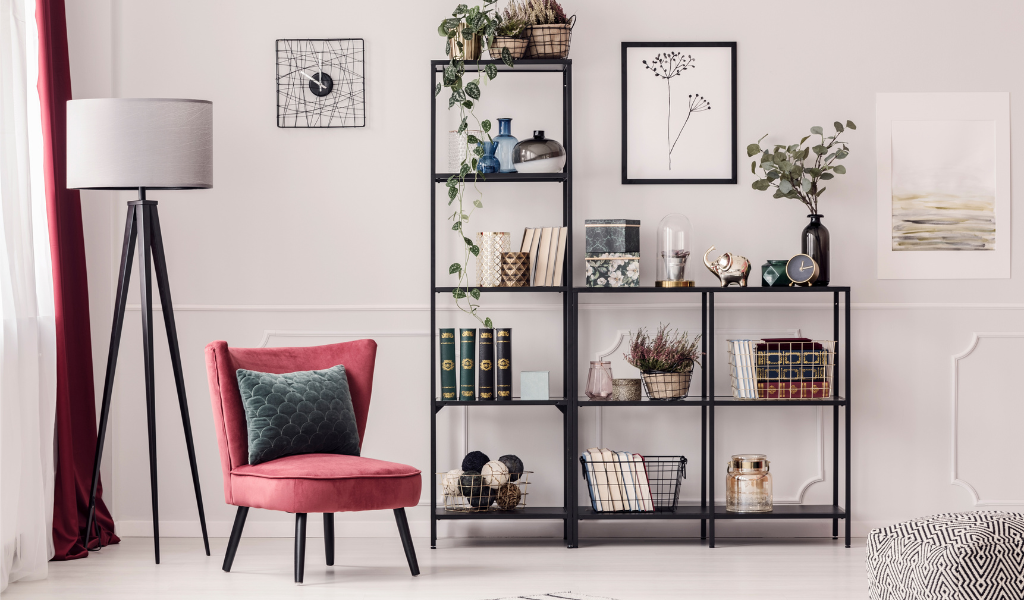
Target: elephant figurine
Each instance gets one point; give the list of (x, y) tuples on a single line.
[(729, 268)]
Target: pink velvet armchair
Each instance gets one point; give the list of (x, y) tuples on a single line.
[(310, 483)]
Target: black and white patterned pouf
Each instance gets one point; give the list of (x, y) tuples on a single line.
[(953, 556)]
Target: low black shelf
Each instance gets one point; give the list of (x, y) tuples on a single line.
[(552, 402), (502, 290), (523, 65), (697, 402), (507, 177), (681, 512), (726, 401), (527, 512), (704, 289), (787, 511)]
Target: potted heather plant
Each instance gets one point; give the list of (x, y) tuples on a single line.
[(511, 34), (665, 361), (547, 28)]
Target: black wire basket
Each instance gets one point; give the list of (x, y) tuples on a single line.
[(633, 483)]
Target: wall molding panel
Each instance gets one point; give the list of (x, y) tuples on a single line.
[(957, 479)]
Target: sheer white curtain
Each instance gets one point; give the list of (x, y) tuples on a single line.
[(28, 346)]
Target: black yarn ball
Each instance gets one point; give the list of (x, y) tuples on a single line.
[(474, 461), (515, 466), (471, 484), (486, 498)]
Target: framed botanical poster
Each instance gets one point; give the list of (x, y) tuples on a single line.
[(679, 112), (943, 185)]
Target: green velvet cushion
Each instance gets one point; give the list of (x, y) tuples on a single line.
[(298, 413)]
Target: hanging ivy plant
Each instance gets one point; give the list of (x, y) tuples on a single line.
[(459, 30)]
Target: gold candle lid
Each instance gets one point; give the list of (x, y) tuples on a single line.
[(671, 283)]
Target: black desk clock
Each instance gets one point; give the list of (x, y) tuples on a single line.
[(802, 270)]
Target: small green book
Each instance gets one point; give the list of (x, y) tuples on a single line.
[(448, 389), (467, 372)]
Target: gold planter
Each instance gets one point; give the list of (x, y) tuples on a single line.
[(470, 48), (515, 269), (516, 47), (626, 390), (492, 245)]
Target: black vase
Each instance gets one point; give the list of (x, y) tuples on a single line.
[(814, 243)]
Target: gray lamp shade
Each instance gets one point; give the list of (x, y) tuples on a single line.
[(128, 143)]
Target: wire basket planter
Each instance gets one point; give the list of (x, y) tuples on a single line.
[(663, 385), (782, 370), (634, 483), (470, 493), (516, 47), (550, 41)]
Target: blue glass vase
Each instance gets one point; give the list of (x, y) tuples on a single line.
[(488, 163), (506, 143)]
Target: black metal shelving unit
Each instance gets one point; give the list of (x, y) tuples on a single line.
[(707, 512), (566, 512)]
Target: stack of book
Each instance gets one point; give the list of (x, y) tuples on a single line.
[(493, 365), (618, 481), (546, 246), (781, 368)]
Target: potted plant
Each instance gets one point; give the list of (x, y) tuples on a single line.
[(785, 168), (511, 34), (665, 361), (547, 28)]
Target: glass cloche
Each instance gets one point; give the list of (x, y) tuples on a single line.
[(675, 235)]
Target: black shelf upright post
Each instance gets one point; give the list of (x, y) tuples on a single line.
[(704, 415), (433, 311), (849, 401), (710, 474)]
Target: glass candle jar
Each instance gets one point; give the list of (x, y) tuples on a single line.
[(599, 381), (674, 237), (748, 484)]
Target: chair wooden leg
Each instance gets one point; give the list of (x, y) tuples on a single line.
[(300, 546), (403, 532), (236, 536), (329, 537)]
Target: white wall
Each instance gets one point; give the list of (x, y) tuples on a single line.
[(317, 236)]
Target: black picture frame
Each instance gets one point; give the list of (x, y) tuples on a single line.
[(314, 115), (626, 180)]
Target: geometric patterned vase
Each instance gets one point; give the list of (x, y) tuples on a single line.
[(515, 269), (488, 263)]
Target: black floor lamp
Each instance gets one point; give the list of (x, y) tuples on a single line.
[(142, 144)]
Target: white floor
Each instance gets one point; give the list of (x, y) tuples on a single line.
[(465, 569)]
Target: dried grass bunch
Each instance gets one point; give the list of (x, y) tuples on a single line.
[(667, 351), (536, 12)]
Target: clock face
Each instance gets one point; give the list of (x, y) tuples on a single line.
[(802, 269), (320, 83)]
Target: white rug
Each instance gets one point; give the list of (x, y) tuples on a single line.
[(555, 596)]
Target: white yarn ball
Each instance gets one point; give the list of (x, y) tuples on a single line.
[(450, 483), (495, 474)]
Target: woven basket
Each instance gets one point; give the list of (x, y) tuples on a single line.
[(516, 47), (550, 41), (661, 385)]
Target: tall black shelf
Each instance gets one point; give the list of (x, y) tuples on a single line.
[(571, 513), (707, 402), (566, 513)]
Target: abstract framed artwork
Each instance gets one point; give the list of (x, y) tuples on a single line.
[(678, 112), (943, 185), (320, 83)]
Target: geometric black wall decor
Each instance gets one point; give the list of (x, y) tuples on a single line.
[(320, 83)]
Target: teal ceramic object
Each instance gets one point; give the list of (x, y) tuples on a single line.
[(773, 274), (533, 385)]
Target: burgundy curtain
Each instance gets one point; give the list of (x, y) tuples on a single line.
[(76, 404)]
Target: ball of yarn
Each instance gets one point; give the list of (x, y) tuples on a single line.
[(471, 484), (485, 499), (508, 496), (514, 465), (474, 461), (450, 483), (495, 474)]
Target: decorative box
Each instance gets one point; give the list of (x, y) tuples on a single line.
[(613, 269), (613, 235), (773, 274), (533, 385)]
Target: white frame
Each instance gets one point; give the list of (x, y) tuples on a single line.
[(994, 106)]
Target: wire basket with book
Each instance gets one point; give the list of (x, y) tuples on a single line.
[(629, 482), (782, 368)]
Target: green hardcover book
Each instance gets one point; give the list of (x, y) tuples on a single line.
[(503, 355), (448, 389), (485, 365), (467, 354)]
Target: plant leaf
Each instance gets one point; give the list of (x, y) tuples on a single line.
[(487, 323), (457, 293), (778, 194), (506, 57), (474, 250), (785, 186), (827, 176), (437, 89), (840, 169), (819, 149), (464, 170), (473, 90), (472, 139), (804, 139), (816, 130), (454, 268), (838, 126), (753, 149), (485, 125), (850, 125), (760, 185), (477, 204), (491, 70), (452, 193), (468, 104), (475, 293)]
